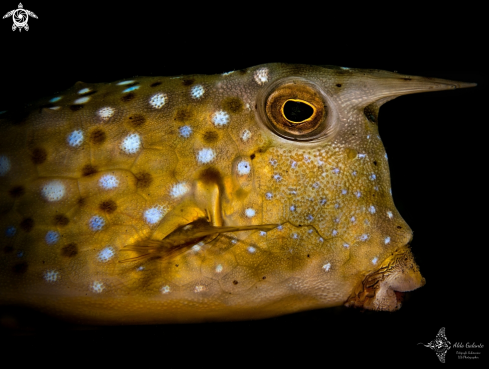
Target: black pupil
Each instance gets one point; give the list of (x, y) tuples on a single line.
[(297, 111)]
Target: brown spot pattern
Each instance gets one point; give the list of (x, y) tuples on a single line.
[(98, 136), (128, 97), (17, 191), (233, 104), (69, 250), (144, 179), (61, 220), (27, 224), (183, 114), (210, 136), (88, 170), (108, 206), (76, 107), (154, 84), (187, 81), (137, 120), (39, 155)]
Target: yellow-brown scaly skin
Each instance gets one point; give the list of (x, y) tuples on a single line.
[(70, 202)]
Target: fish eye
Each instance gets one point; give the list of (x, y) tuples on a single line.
[(295, 109)]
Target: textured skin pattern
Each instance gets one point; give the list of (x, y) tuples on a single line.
[(103, 166)]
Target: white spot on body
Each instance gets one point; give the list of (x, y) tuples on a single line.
[(82, 100), (106, 113), (55, 107), (51, 237), (75, 138), (108, 182), (185, 131), (321, 239), (157, 101), (326, 267), (197, 91), (165, 289), (106, 254), (387, 240), (199, 288), (292, 208), (268, 195), (280, 227), (243, 168), (250, 212), (336, 170), (129, 89), (374, 260), (154, 214), (352, 219), (97, 287), (53, 191), (371, 209), (219, 268), (227, 73), (293, 164), (220, 118), (361, 156), (345, 245), (372, 177), (335, 232), (125, 83), (357, 194), (195, 248), (51, 275), (277, 177), (251, 249), (386, 156), (83, 91), (96, 223), (54, 99), (263, 233), (310, 217), (389, 214), (179, 189), (245, 135), (364, 237), (4, 165), (206, 156), (131, 144), (261, 76)]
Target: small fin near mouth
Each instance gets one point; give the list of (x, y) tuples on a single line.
[(184, 238)]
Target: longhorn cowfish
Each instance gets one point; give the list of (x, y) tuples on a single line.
[(245, 195)]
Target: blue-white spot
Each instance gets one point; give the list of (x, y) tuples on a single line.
[(263, 233), (251, 249), (4, 165), (96, 223), (277, 177), (51, 237), (244, 168), (106, 254), (219, 268), (345, 245), (323, 201), (372, 177), (185, 131), (245, 135), (97, 287), (293, 164), (165, 289), (354, 173), (320, 239), (106, 112), (344, 192), (53, 191), (374, 260), (292, 208), (157, 101), (125, 83), (386, 156), (83, 91), (280, 227), (75, 138), (220, 118), (250, 212), (154, 214), (82, 100), (51, 275), (364, 237), (197, 91), (361, 156), (10, 231), (371, 209), (294, 235), (206, 156), (132, 88), (387, 240), (108, 182), (335, 232), (310, 217), (326, 267), (352, 219), (261, 76), (131, 144), (336, 170), (179, 190), (54, 99), (358, 194), (389, 214), (268, 195)]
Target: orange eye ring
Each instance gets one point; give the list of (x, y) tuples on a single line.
[(299, 101)]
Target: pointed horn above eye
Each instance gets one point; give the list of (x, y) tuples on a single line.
[(385, 84)]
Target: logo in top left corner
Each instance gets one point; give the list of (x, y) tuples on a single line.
[(20, 17)]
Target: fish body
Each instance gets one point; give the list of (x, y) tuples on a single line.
[(244, 195)]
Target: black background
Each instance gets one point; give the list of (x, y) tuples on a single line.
[(435, 141)]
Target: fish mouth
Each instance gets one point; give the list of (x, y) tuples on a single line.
[(385, 288)]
